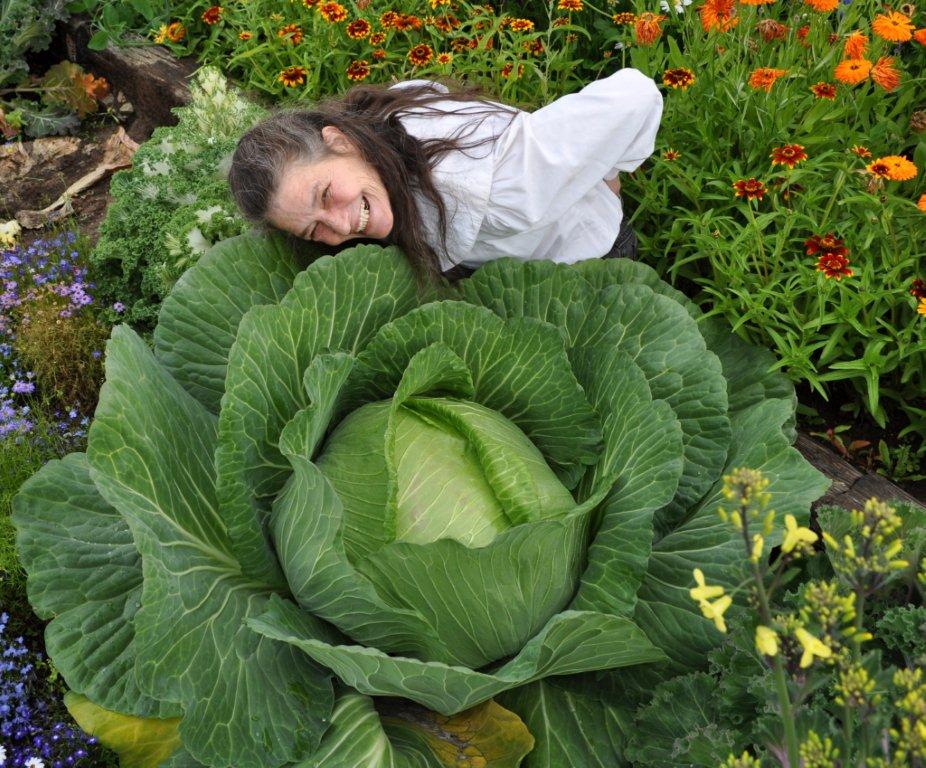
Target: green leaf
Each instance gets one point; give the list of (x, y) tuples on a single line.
[(199, 318), (85, 575), (572, 725), (571, 642), (402, 735), (150, 452), (140, 742), (99, 41)]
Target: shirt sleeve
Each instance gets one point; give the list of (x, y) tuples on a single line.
[(547, 160)]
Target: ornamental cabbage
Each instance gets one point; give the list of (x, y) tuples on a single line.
[(338, 519)]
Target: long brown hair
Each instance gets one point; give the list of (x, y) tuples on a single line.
[(369, 116)]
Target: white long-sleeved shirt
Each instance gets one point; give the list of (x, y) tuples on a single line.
[(538, 191)]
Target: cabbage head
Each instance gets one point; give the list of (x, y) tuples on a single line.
[(336, 519)]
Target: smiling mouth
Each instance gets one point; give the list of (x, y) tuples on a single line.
[(364, 216)]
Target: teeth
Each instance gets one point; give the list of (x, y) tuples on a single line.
[(364, 215)]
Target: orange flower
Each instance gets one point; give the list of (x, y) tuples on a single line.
[(293, 31), (824, 90), (771, 30), (420, 55), (833, 265), (446, 24), (405, 23), (377, 38), (921, 204), (534, 48), (359, 29), (673, 154), (802, 33), (176, 31), (852, 71), (521, 25), (388, 19), (789, 155), (379, 53), (756, 2), (764, 78), (625, 17), (855, 46), (920, 36), (861, 151), (444, 58), (358, 70), (827, 244), (680, 77), (893, 26), (212, 15), (647, 27), (509, 68), (570, 5), (245, 35), (885, 74), (332, 12), (561, 21), (292, 76), (893, 168), (824, 6), (751, 189), (718, 14)]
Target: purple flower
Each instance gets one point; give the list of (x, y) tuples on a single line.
[(119, 307), (23, 388)]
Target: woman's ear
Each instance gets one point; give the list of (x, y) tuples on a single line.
[(336, 140)]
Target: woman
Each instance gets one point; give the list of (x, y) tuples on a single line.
[(453, 179)]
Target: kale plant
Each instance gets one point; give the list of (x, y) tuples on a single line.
[(336, 519)]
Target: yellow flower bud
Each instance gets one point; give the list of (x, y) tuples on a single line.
[(812, 647), (758, 542), (704, 591), (766, 641), (715, 611), (795, 535)]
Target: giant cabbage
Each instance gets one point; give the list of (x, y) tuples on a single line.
[(338, 519)]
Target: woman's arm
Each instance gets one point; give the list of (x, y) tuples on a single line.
[(614, 184)]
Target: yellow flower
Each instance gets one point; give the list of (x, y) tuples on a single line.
[(703, 592), (758, 542), (796, 536), (812, 647), (766, 641), (921, 307), (715, 611)]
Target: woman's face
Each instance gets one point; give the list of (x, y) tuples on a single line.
[(333, 200)]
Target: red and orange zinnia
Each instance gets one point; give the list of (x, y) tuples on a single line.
[(678, 77), (420, 55), (624, 17), (764, 78), (789, 155), (824, 90), (570, 5), (291, 32), (751, 189), (833, 265), (893, 26), (292, 76), (358, 70), (212, 15), (858, 149), (332, 12), (359, 29), (833, 260), (377, 38), (388, 19)]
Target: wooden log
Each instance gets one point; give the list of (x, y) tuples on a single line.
[(851, 487), (149, 76)]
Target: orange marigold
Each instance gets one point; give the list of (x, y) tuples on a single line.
[(212, 15), (920, 36), (893, 26), (359, 29), (647, 28), (332, 12), (292, 76), (751, 189), (420, 55), (824, 6), (892, 168), (756, 2), (176, 31), (291, 31), (855, 46), (921, 204), (885, 74), (358, 70), (789, 155), (765, 77), (679, 77), (718, 14), (570, 5), (824, 90), (852, 71)]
